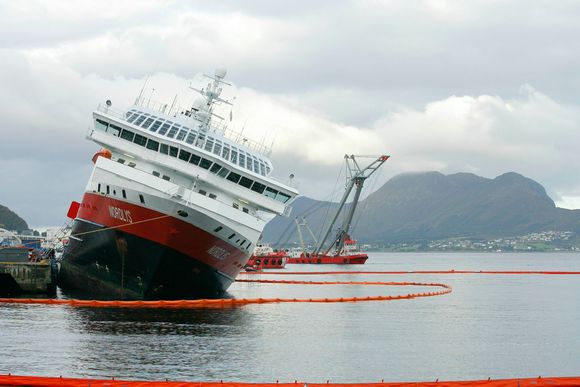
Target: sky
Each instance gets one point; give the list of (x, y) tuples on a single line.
[(485, 87)]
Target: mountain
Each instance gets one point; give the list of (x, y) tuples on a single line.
[(430, 206), (10, 221)]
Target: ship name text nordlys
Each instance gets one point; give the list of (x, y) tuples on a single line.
[(119, 213)]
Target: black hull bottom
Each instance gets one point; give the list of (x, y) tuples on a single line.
[(113, 264)]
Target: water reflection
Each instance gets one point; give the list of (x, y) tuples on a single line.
[(196, 322), (490, 326)]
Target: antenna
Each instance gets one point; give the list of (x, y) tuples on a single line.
[(211, 95), (142, 90)]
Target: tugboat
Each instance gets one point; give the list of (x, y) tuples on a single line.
[(265, 257), (175, 204), (343, 249)]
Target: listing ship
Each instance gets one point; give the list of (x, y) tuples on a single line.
[(175, 204)]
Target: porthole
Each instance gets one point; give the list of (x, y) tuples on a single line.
[(182, 213)]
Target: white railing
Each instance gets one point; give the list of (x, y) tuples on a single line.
[(175, 111), (214, 127)]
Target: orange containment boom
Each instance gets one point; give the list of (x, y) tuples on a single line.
[(507, 272), (229, 303), (38, 381)]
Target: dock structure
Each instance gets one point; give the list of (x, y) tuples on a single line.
[(20, 276)]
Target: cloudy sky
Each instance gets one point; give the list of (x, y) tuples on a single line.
[(454, 86)]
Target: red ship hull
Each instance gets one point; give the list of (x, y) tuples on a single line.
[(351, 259)]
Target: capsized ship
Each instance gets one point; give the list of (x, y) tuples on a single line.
[(175, 204)]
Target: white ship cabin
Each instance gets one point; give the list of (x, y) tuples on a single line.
[(184, 147)]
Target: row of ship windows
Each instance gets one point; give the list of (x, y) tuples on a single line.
[(157, 174), (123, 192), (232, 236), (192, 158), (181, 213), (200, 140)]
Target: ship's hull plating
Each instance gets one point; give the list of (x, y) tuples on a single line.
[(166, 258), (116, 264)]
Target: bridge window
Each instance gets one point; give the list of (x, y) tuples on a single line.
[(245, 182), (153, 145), (173, 130), (164, 128), (156, 126), (132, 118), (223, 172), (262, 169), (234, 177), (242, 160), (205, 164), (140, 120), (282, 197), (147, 122), (114, 130), (181, 135), (164, 148), (184, 155), (226, 152), (215, 168), (234, 158), (209, 144), (218, 148), (140, 140), (194, 159), (127, 135), (101, 125), (249, 163), (190, 137), (200, 140), (173, 151), (258, 187), (271, 193)]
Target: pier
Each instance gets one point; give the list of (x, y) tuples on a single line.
[(20, 276)]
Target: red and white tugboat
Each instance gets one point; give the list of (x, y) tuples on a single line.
[(265, 257), (174, 205), (343, 250)]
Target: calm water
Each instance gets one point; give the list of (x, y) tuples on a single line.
[(490, 326)]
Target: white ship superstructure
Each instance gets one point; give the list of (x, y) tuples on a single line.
[(177, 182)]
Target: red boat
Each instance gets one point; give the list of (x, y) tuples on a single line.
[(265, 257), (349, 256)]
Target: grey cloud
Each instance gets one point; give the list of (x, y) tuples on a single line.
[(372, 65)]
